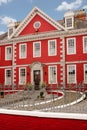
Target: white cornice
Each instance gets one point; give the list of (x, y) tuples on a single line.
[(45, 35)]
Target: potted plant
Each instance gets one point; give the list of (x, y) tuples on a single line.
[(1, 93), (43, 84), (29, 86), (42, 95)]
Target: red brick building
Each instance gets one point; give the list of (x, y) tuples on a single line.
[(41, 49)]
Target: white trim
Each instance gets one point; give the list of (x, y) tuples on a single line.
[(83, 45), (20, 51), (45, 114), (84, 74), (44, 35), (50, 20), (74, 46), (20, 76), (68, 73), (6, 77), (39, 24), (6, 52), (70, 17), (34, 49), (50, 82), (47, 63), (55, 47), (36, 66)]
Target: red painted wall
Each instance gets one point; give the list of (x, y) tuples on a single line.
[(44, 53), (45, 26), (4, 62), (2, 76), (79, 56)]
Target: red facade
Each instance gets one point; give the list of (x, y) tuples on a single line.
[(41, 48)]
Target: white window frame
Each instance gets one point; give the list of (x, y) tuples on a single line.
[(49, 51), (84, 48), (7, 82), (34, 54), (50, 77), (85, 77), (20, 52), (20, 81), (68, 74), (6, 55), (68, 53), (72, 24)]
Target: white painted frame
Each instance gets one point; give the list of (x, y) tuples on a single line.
[(85, 81), (72, 22), (49, 47), (36, 66), (49, 78), (68, 74), (74, 46), (6, 77), (6, 57), (20, 76), (21, 52), (34, 49), (84, 45)]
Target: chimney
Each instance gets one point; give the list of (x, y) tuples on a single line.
[(80, 14)]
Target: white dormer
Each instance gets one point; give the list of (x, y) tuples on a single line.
[(69, 19), (11, 28)]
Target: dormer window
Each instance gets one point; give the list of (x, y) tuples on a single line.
[(69, 22), (69, 19), (10, 31), (11, 28)]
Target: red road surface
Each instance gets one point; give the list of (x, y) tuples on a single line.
[(15, 122)]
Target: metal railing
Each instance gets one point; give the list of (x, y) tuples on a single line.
[(60, 99)]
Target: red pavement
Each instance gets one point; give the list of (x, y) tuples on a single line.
[(15, 122)]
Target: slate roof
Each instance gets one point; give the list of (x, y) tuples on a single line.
[(78, 23), (3, 36)]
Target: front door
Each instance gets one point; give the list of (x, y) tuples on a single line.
[(37, 79)]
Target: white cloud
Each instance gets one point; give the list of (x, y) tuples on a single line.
[(6, 20), (2, 32), (85, 7), (73, 5), (4, 1)]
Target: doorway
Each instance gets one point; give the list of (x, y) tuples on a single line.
[(37, 79)]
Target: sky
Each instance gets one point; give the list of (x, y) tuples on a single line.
[(17, 10)]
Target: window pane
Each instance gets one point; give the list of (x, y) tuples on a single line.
[(71, 46), (22, 76), (8, 53), (52, 48), (52, 74), (8, 77), (36, 49), (71, 74), (85, 78), (23, 51), (69, 22), (85, 44)]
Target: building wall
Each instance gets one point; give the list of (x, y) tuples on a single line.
[(45, 26), (49, 30)]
